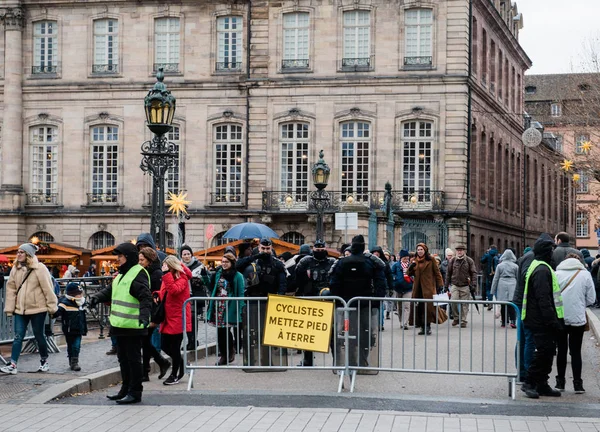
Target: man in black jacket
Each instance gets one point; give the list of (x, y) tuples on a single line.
[(130, 326), (563, 248), (542, 310)]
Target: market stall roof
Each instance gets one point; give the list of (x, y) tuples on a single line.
[(216, 252), (69, 249), (47, 258), (105, 254)]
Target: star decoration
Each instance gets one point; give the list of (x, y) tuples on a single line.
[(586, 146), (576, 177), (178, 203), (566, 165)]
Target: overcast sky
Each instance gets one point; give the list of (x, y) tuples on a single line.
[(555, 31)]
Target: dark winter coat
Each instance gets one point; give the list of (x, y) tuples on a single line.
[(524, 262), (156, 274), (312, 275), (178, 291), (389, 278), (271, 275), (587, 258), (560, 253), (490, 262), (344, 286), (461, 272), (72, 317), (401, 283)]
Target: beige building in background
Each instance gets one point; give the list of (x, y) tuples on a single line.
[(386, 88)]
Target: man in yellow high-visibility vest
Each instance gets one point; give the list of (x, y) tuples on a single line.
[(542, 314), (130, 306)]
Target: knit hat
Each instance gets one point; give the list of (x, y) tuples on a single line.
[(305, 250), (231, 249), (527, 249), (543, 247), (187, 248), (231, 257), (359, 239), (358, 245), (286, 256), (404, 253), (29, 248), (243, 246), (73, 289)]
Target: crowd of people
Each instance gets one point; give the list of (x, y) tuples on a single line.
[(551, 284)]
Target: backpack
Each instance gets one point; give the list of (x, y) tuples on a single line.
[(251, 275)]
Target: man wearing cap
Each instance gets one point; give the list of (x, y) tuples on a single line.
[(271, 272), (131, 303), (312, 275), (460, 277)]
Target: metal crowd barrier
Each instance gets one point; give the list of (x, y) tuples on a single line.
[(358, 347)]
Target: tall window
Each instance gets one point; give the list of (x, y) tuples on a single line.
[(484, 56), (355, 142), (357, 39), (45, 47), (295, 40), (105, 164), (173, 176), (418, 30), (44, 165), (474, 48), (417, 139), (583, 183), (228, 163), (579, 141), (229, 43), (500, 74), (582, 224), (492, 66), (482, 166), (166, 44), (294, 159), (555, 110), (101, 240), (106, 46), (558, 144)]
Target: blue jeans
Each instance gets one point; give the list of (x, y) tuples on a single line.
[(526, 347), (73, 345), (37, 325), (113, 341), (155, 339)]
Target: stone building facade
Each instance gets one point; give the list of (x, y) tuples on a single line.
[(568, 106), (423, 94)]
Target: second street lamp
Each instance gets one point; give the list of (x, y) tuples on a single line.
[(320, 198), (158, 155)]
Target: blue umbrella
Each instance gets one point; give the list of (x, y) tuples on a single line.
[(249, 230)]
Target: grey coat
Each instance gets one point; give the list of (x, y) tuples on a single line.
[(505, 278)]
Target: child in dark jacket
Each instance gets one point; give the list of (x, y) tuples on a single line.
[(74, 325)]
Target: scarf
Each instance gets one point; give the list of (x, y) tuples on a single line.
[(78, 300)]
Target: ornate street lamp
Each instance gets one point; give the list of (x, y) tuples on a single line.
[(320, 175), (158, 155)]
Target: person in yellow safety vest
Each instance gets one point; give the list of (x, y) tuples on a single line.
[(542, 313), (131, 303)]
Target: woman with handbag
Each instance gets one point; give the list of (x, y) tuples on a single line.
[(149, 260), (174, 292), (578, 292), (29, 299), (427, 280), (226, 282)]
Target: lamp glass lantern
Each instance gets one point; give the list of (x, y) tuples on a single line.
[(159, 105), (320, 173)]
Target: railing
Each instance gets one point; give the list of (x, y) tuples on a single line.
[(41, 199), (228, 66), (357, 64), (102, 199), (44, 70), (418, 61), (294, 64), (405, 200), (105, 68), (167, 67), (217, 198)]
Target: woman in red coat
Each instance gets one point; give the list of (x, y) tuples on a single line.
[(175, 286)]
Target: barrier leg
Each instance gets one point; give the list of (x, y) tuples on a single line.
[(191, 380), (512, 388), (353, 381), (341, 381)]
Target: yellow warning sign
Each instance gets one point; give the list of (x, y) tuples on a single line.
[(294, 322)]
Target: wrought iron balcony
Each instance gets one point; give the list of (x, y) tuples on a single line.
[(357, 64), (219, 198), (42, 199), (406, 200), (100, 199), (105, 68), (418, 61), (228, 66), (294, 64), (167, 67), (44, 69)]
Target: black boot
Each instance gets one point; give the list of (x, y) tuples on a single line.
[(130, 399), (75, 364), (70, 363), (122, 393), (546, 390), (164, 367)]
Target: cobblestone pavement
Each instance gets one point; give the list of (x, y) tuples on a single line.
[(206, 419)]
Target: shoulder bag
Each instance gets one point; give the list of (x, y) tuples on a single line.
[(158, 314)]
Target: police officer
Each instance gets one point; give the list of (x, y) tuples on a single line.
[(359, 275), (131, 301), (271, 272), (312, 275)]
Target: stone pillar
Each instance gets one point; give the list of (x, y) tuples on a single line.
[(457, 234), (12, 19)]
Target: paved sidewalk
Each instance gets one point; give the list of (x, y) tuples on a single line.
[(216, 418)]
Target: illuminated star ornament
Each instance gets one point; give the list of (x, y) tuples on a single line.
[(178, 203), (576, 177), (586, 146), (566, 165)]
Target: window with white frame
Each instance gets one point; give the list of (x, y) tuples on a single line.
[(166, 44), (228, 163), (582, 228), (555, 110), (44, 165), (559, 143), (580, 142), (229, 43), (357, 39), (583, 183), (106, 46), (104, 164), (295, 40), (294, 144), (355, 140), (418, 27), (45, 47), (173, 174), (417, 146)]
